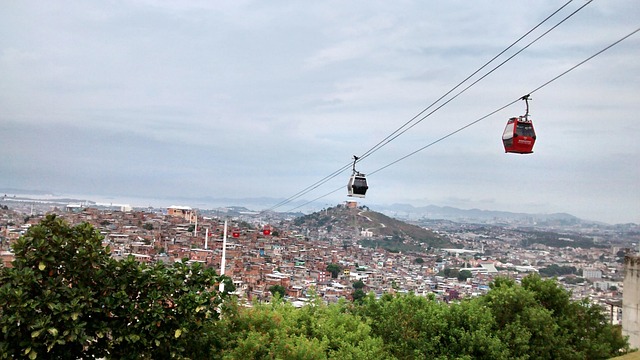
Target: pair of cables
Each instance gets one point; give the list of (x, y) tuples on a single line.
[(422, 115)]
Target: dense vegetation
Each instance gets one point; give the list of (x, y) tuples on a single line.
[(394, 244), (534, 320), (67, 299), (559, 270), (553, 239)]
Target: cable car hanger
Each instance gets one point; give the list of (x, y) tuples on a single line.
[(357, 186), (526, 100)]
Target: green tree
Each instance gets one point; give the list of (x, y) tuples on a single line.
[(277, 330), (66, 298), (556, 270), (415, 327), (49, 300), (463, 275), (449, 273), (535, 320), (538, 320), (278, 289), (334, 269), (358, 295), (528, 330), (588, 333)]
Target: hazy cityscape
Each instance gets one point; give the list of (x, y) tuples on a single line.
[(454, 260)]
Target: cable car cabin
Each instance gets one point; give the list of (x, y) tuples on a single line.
[(357, 185), (519, 136), (266, 230), (235, 233)]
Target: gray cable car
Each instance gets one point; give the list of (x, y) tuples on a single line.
[(357, 186)]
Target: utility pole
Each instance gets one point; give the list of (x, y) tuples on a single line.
[(223, 260)]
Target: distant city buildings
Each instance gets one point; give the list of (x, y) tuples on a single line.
[(184, 212), (592, 273), (297, 257)]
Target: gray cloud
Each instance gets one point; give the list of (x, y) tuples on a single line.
[(263, 99)]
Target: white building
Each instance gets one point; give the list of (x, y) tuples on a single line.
[(631, 301), (591, 273)]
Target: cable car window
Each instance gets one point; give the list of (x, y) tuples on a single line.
[(359, 182), (508, 131), (525, 129)]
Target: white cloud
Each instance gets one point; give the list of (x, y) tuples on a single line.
[(224, 96)]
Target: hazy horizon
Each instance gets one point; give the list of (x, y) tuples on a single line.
[(252, 204)]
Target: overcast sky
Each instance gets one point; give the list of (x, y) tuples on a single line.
[(235, 99)]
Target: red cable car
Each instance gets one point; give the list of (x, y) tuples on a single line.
[(235, 233), (266, 230), (519, 136)]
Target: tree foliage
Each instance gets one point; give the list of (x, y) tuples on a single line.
[(280, 331), (334, 269), (554, 239), (358, 285), (463, 275), (66, 298), (278, 289), (535, 320), (558, 270), (449, 272), (538, 320), (416, 327)]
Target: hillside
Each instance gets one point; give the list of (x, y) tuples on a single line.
[(383, 231)]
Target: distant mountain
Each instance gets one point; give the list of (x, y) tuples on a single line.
[(371, 228), (412, 213), (399, 211), (409, 212), (403, 211)]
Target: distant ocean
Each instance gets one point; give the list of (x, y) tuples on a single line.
[(136, 202), (204, 203)]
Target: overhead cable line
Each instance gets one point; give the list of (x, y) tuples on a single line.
[(309, 188), (316, 199), (371, 151), (585, 60), (489, 114), (391, 136), (399, 131), (509, 104)]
